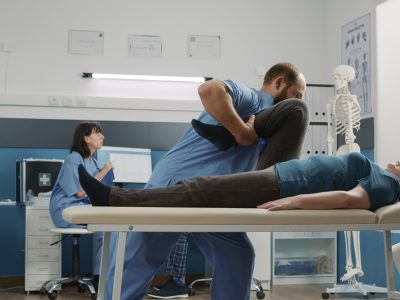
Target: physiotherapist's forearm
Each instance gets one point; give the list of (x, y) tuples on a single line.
[(218, 103), (101, 174)]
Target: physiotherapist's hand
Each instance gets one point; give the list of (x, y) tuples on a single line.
[(108, 165), (281, 204), (247, 134)]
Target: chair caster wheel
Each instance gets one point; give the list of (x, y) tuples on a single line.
[(325, 295), (81, 288), (52, 295), (93, 296), (191, 292), (260, 295)]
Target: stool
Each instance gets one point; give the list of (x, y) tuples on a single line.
[(52, 286)]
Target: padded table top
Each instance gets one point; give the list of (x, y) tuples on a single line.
[(87, 214)]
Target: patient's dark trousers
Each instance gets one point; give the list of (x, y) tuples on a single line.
[(284, 126)]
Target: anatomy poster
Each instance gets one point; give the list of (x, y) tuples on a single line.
[(356, 45)]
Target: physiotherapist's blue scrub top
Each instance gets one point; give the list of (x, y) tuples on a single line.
[(329, 173), (196, 156), (67, 185)]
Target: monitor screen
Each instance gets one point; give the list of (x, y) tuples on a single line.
[(131, 165)]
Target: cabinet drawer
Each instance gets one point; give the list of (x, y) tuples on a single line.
[(36, 228), (42, 268), (36, 242), (35, 282), (43, 255), (38, 215)]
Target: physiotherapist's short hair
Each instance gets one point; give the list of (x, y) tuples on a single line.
[(290, 73), (84, 129)]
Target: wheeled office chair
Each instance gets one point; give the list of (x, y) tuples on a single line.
[(52, 287), (259, 289)]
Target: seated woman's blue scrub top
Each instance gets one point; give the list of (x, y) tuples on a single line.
[(331, 173), (67, 185)]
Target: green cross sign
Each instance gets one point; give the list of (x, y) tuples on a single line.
[(44, 179)]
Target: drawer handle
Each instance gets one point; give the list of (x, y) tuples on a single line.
[(43, 255), (43, 269)]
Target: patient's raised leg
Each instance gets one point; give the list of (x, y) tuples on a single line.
[(283, 126)]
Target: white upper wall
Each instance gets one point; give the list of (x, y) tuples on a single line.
[(254, 33), (387, 124)]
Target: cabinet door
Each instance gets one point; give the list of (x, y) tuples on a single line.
[(262, 246), (304, 257)]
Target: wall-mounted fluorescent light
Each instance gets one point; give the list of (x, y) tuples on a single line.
[(145, 77)]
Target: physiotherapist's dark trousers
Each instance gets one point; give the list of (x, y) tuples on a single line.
[(284, 126)]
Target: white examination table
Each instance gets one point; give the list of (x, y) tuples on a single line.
[(172, 219)]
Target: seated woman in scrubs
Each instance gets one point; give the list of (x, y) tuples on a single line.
[(319, 182), (67, 191)]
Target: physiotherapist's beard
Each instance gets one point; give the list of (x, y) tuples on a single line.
[(282, 95)]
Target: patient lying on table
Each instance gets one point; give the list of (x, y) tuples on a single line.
[(319, 182)]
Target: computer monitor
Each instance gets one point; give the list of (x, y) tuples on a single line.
[(131, 165)]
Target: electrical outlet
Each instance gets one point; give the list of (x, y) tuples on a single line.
[(53, 100), (81, 102), (67, 101), (7, 46)]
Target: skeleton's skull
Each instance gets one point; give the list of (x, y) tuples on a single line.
[(343, 74)]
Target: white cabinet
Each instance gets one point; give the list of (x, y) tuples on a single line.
[(315, 142), (262, 265), (304, 258), (42, 261)]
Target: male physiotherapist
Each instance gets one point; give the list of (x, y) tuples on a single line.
[(233, 105)]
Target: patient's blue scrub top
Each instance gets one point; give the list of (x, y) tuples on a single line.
[(196, 156), (67, 185), (329, 173)]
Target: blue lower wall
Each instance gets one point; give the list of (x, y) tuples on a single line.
[(12, 220)]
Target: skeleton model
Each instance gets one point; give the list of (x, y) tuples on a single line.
[(344, 109)]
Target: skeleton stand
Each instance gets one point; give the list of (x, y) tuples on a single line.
[(345, 110)]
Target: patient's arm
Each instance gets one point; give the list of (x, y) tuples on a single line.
[(355, 198)]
